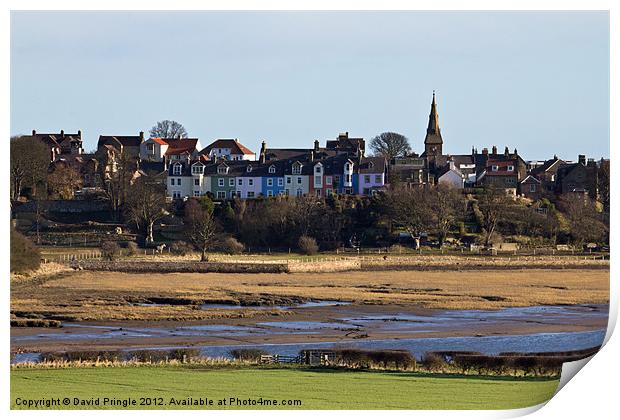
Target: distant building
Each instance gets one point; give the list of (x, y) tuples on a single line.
[(230, 149), (60, 144)]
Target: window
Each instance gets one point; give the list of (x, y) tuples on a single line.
[(250, 194), (240, 181), (196, 193), (232, 194), (171, 181), (318, 192), (288, 179), (176, 169), (348, 190), (251, 182), (347, 167), (532, 187), (300, 192), (176, 194), (280, 182), (272, 169), (197, 169), (297, 169), (328, 180), (494, 168), (367, 179), (336, 179), (249, 168), (196, 181), (221, 194), (348, 178), (299, 180), (511, 168), (178, 181), (377, 179), (269, 193), (222, 169), (150, 148), (329, 192), (318, 169), (270, 182), (231, 182), (220, 182)]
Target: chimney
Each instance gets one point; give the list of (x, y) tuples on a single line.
[(506, 151), (141, 136), (316, 145), (494, 150), (62, 133), (582, 159), (34, 132), (515, 152), (263, 152), (485, 151)]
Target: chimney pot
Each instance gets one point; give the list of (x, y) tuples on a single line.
[(34, 132), (141, 135), (62, 133), (494, 150), (79, 133)]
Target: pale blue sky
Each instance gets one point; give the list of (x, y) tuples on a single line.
[(537, 81)]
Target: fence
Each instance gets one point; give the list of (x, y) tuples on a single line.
[(74, 256), (276, 358)]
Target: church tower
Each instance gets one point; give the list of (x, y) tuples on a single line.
[(433, 143)]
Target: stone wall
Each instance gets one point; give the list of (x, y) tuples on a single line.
[(179, 267)]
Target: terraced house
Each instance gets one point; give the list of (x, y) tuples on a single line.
[(338, 168)]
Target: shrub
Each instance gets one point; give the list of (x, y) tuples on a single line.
[(184, 355), (149, 356), (434, 362), (132, 248), (307, 245), (180, 248), (353, 358), (25, 256), (76, 355), (232, 246), (252, 355), (110, 250)]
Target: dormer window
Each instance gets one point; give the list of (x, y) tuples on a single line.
[(272, 169), (197, 169), (297, 169), (222, 169), (176, 169), (511, 168), (347, 167), (318, 169), (495, 168), (370, 165), (249, 168)]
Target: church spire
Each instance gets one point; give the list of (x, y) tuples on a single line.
[(433, 142)]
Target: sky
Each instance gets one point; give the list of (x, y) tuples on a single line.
[(535, 81)]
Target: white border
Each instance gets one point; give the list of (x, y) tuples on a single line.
[(592, 394)]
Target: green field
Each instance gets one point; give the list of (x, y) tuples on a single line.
[(315, 388)]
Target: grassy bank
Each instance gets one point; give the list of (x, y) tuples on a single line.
[(316, 389)]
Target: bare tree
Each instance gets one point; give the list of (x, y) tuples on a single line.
[(30, 159), (584, 220), (63, 181), (446, 206), (146, 204), (116, 170), (168, 129), (491, 208), (407, 209), (200, 224), (390, 145)]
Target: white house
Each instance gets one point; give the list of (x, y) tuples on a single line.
[(229, 149)]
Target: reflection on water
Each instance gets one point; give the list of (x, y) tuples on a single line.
[(309, 304)]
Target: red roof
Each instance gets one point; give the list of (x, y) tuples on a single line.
[(158, 140), (235, 147), (179, 146)]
